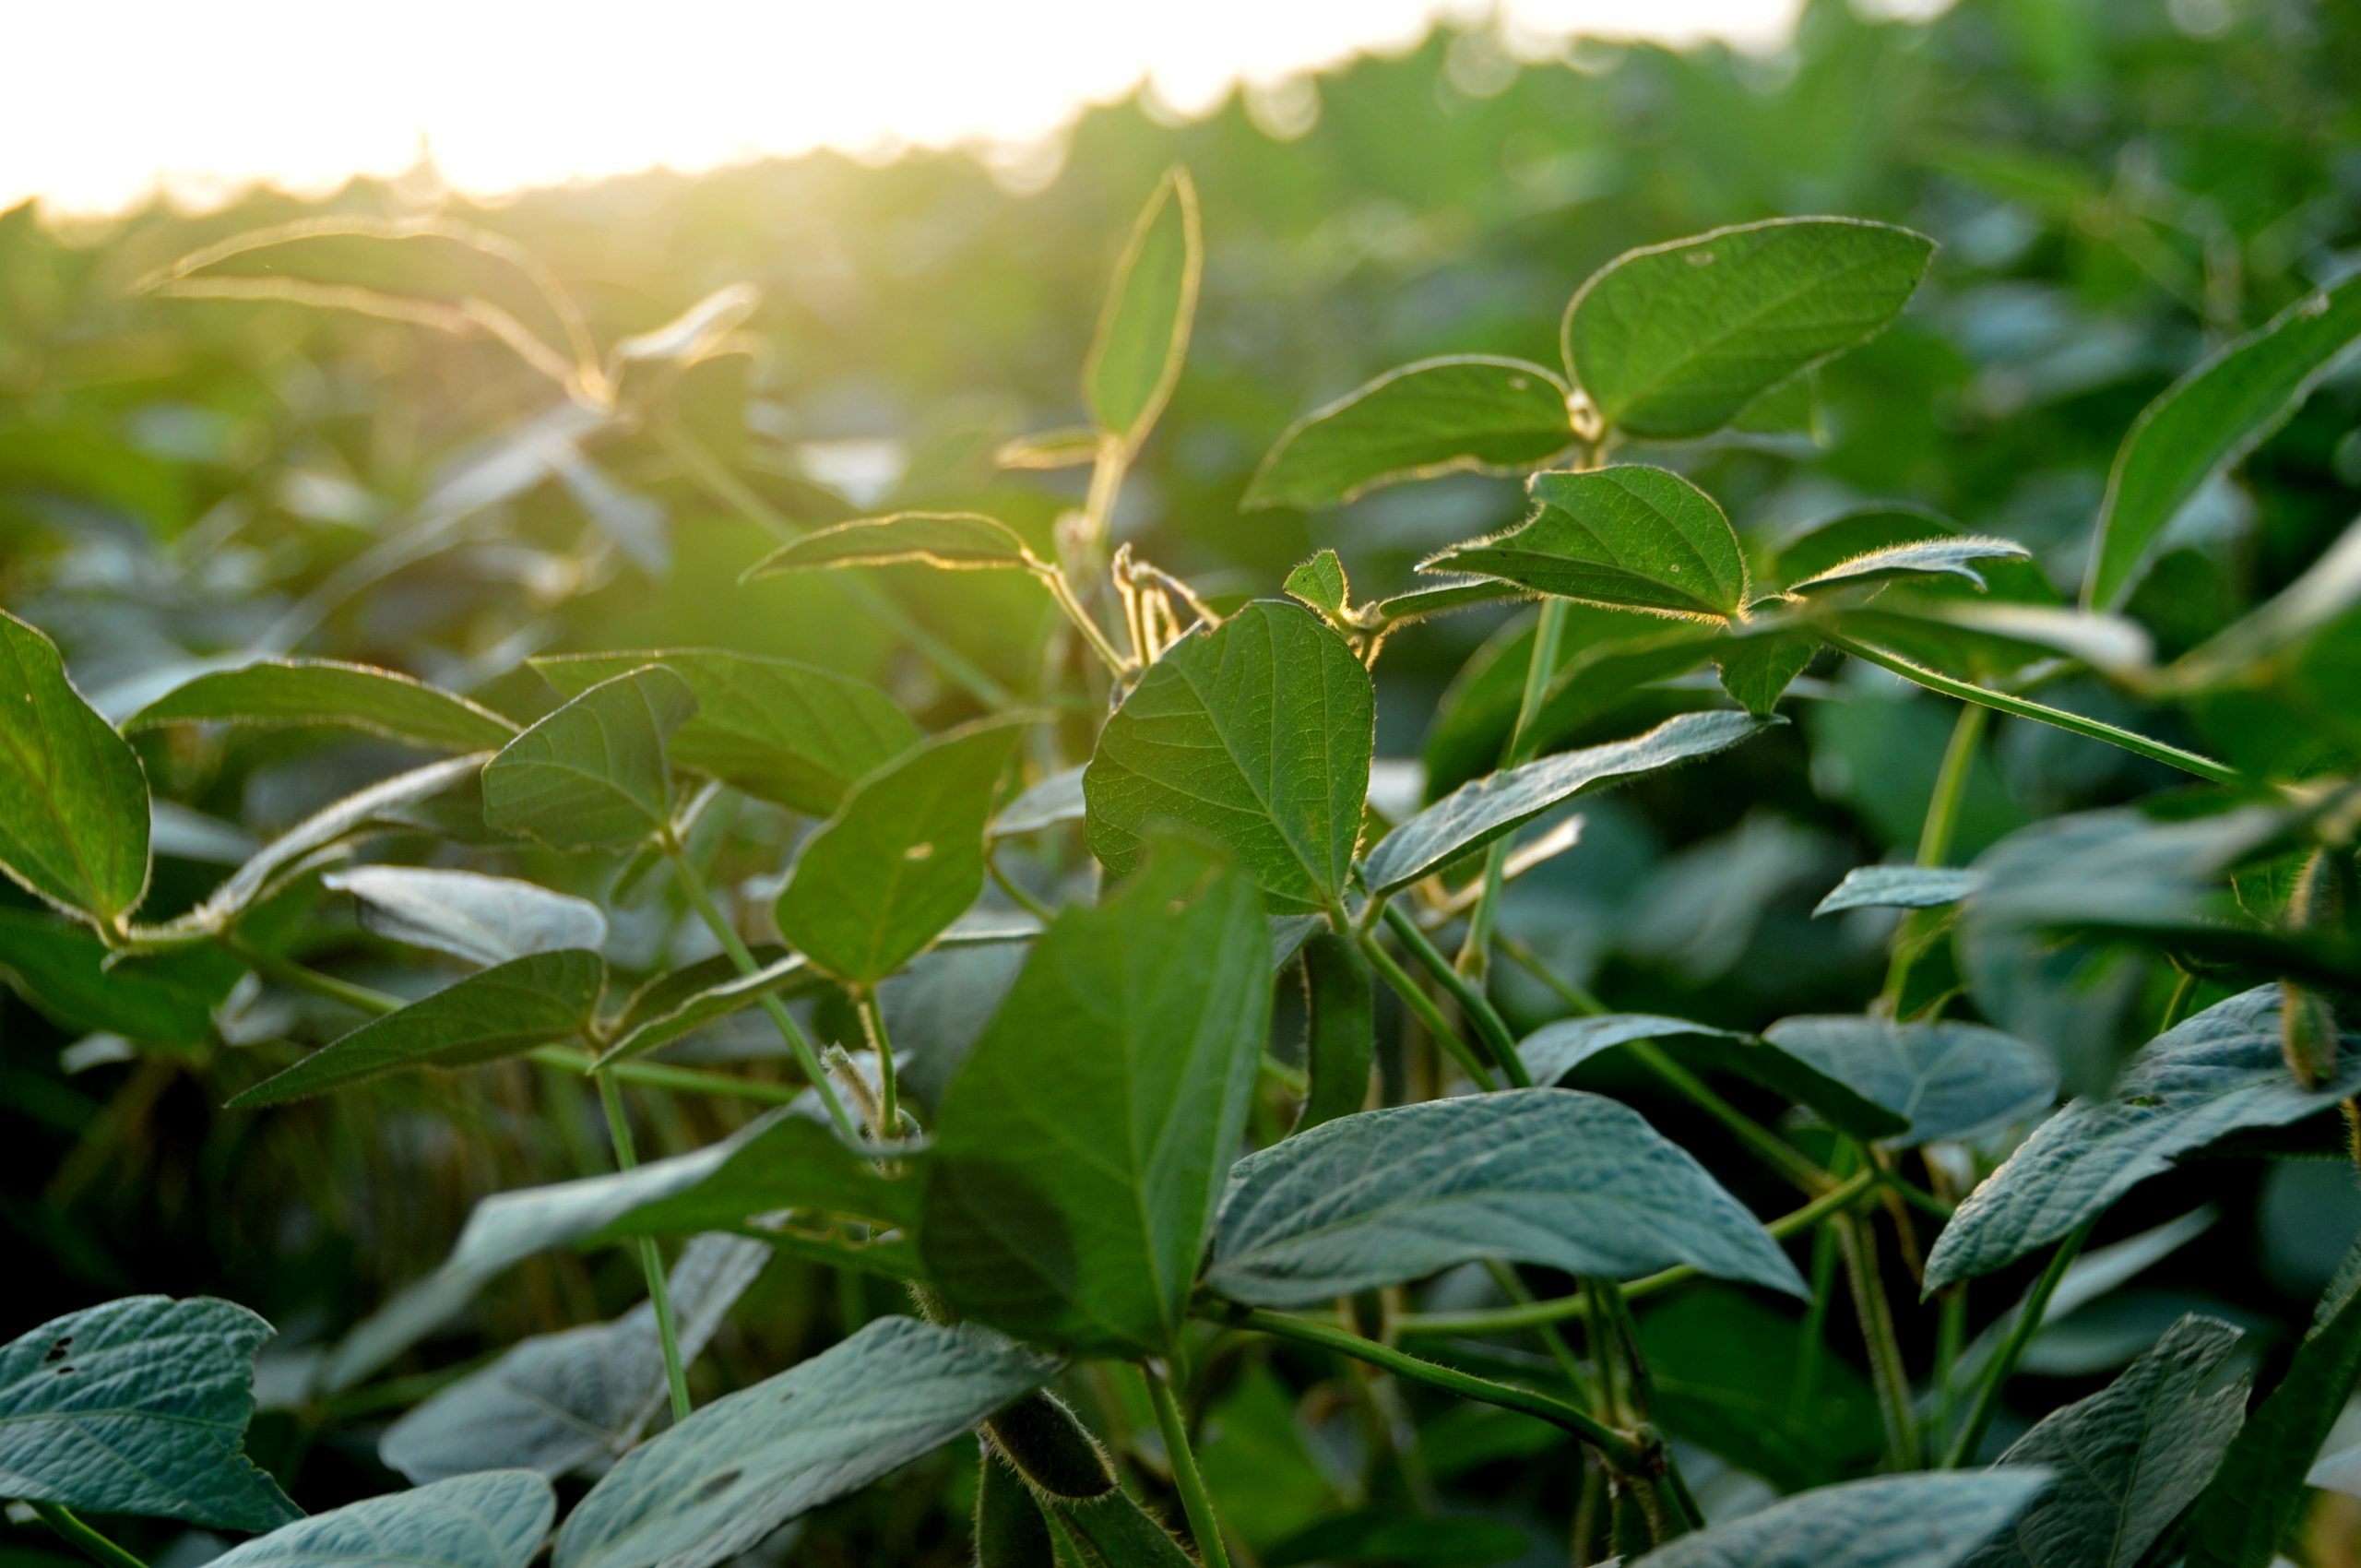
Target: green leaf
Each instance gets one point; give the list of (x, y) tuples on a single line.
[(902, 859), (710, 1488), (653, 1019), (65, 971), (2210, 418), (1951, 555), (2130, 1457), (138, 1406), (594, 774), (1054, 800), (1724, 1365), (2329, 588), (2218, 1073), (794, 1165), (2253, 1504), (1757, 670), (1476, 813), (1629, 537), (1921, 1521), (1340, 1028), (789, 732), (1948, 1080), (1566, 1181), (72, 797), (1144, 330), (486, 920), (560, 1402), (697, 332), (1009, 1530), (1113, 1531), (1555, 1050), (282, 691), (1675, 340), (494, 1519), (953, 540), (502, 1012), (1257, 733), (1080, 1149), (1068, 446), (1320, 585), (1899, 888), (1468, 412)]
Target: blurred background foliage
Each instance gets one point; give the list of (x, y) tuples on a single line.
[(2117, 187)]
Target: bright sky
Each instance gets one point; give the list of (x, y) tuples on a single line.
[(109, 100)]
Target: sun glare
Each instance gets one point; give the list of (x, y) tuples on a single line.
[(200, 102)]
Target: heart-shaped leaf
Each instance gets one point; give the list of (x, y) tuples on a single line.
[(711, 1486), (138, 1406), (902, 859), (1675, 340), (1629, 537), (72, 797), (1476, 813), (789, 732), (493, 1519), (1567, 1180), (1144, 330), (321, 691), (2218, 1073), (1257, 733), (1080, 1149), (594, 774), (1468, 413), (1948, 1080), (486, 920), (502, 1012)]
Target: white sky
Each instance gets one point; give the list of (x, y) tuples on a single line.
[(106, 100)]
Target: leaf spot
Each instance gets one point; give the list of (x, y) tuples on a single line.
[(918, 852)]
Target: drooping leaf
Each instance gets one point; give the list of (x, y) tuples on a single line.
[(1675, 340), (1319, 584), (2130, 1457), (499, 1012), (73, 796), (1899, 888), (2208, 420), (1951, 555), (952, 541), (487, 920), (796, 1168), (559, 1402), (1468, 412), (321, 691), (1080, 1150), (1144, 330), (1340, 1028), (1556, 1049), (1948, 1080), (789, 732), (1567, 1180), (2253, 1502), (1918, 1521), (1629, 537), (1258, 733), (138, 1406), (1478, 812), (902, 859), (2216, 1074), (737, 1469), (1757, 670), (594, 774), (492, 1519)]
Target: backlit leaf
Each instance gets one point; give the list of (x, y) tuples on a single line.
[(1144, 330), (321, 691), (1954, 555), (594, 774), (1675, 340), (1629, 537), (1571, 1181), (1319, 584), (954, 540), (1469, 413), (1258, 733), (73, 797)]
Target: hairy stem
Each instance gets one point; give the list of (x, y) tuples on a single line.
[(1195, 1502), (1473, 1004), (873, 1025), (2013, 1349), (651, 1263), (1427, 1013)]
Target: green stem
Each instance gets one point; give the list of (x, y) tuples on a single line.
[(2020, 1333), (1195, 1502), (1478, 1008), (873, 1025), (1856, 1246), (1935, 835), (1815, 1327), (1572, 995), (1016, 894), (2024, 707), (1541, 663), (651, 1263), (83, 1538), (2177, 1005), (1423, 1007), (1054, 579), (1621, 1450), (732, 943), (658, 1075), (1514, 1287), (1773, 1151), (1503, 1319), (713, 477), (299, 977)]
